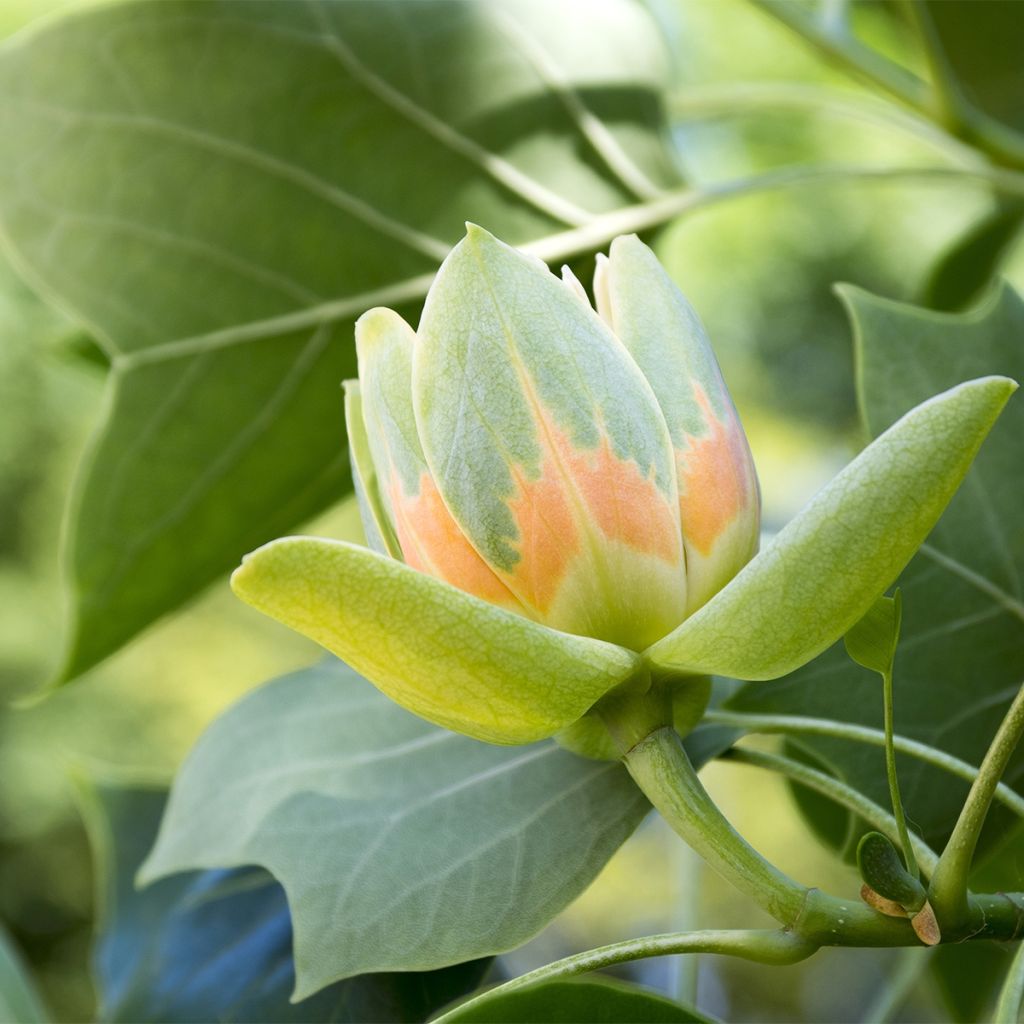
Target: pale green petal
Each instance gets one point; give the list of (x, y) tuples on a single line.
[(548, 446), (823, 572), (376, 526), (443, 654), (719, 499)]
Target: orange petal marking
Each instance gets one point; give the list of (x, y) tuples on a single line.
[(621, 501), (432, 542), (714, 479)]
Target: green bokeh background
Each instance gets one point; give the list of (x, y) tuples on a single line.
[(759, 270)]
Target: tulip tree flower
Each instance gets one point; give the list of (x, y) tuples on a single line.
[(564, 510)]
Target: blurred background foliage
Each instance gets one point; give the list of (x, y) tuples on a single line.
[(760, 270)]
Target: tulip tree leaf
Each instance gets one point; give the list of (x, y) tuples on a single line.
[(826, 568), (400, 846), (961, 655), (596, 1001), (216, 945), (216, 190), (19, 1000), (506, 679)]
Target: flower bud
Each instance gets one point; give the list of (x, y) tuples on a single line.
[(587, 471), (719, 499)]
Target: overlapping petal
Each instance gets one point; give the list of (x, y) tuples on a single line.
[(429, 537), (548, 446), (719, 499), (821, 573), (377, 525)]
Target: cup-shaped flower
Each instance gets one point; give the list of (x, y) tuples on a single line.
[(563, 503), (575, 468)]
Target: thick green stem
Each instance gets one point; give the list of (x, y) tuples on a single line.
[(661, 769), (894, 782), (948, 891), (766, 947)]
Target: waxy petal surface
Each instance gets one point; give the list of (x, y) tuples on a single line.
[(376, 524), (718, 492), (429, 538), (548, 446), (447, 656), (821, 574)]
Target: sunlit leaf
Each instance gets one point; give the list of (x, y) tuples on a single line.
[(218, 189), (400, 846)]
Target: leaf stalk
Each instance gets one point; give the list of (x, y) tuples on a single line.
[(948, 892)]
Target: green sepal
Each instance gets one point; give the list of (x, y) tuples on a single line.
[(821, 573), (872, 641), (684, 701), (445, 655), (881, 866)]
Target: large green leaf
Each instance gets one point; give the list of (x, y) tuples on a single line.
[(217, 189), (826, 568), (961, 655), (19, 1000), (598, 1001), (400, 846), (216, 945)]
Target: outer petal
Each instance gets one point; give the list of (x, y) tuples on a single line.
[(718, 493), (548, 446), (821, 574), (429, 538), (443, 654), (380, 534)]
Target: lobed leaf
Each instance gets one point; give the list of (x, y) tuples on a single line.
[(400, 846), (217, 945)]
